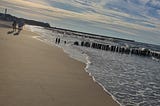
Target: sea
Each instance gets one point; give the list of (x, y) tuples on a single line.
[(131, 80)]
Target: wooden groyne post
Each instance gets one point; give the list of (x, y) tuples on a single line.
[(120, 49)]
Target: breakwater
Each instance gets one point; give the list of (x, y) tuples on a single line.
[(120, 49)]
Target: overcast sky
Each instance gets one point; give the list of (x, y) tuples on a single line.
[(131, 19)]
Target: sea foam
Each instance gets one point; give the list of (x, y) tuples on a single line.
[(130, 80)]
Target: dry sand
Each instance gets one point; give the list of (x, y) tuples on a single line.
[(33, 73)]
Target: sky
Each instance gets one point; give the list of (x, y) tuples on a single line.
[(137, 20)]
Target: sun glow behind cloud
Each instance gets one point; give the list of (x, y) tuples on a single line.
[(118, 18)]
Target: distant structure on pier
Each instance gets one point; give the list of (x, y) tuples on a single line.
[(5, 12)]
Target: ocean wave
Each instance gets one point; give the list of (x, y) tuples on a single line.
[(130, 80)]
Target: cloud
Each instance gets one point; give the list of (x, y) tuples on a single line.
[(123, 18)]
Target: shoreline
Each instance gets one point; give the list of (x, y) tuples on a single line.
[(99, 91), (87, 63), (75, 54)]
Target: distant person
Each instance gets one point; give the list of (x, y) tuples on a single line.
[(14, 24), (59, 40), (56, 40), (20, 25)]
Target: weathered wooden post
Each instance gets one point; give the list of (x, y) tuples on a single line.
[(93, 45), (82, 43), (120, 49), (158, 55), (112, 48), (99, 46), (107, 47), (96, 45), (87, 44), (76, 43), (117, 48), (103, 47)]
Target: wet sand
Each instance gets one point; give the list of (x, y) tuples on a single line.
[(33, 73)]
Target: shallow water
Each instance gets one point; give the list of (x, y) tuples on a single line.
[(131, 80)]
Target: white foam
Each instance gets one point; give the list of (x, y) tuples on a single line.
[(109, 69), (87, 68), (80, 56)]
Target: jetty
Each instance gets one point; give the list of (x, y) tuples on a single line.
[(120, 49), (139, 51)]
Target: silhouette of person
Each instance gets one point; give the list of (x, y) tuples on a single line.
[(14, 24), (56, 40), (59, 40), (20, 25)]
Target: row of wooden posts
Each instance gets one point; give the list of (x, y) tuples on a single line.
[(119, 49)]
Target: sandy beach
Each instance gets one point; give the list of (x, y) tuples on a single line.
[(33, 73)]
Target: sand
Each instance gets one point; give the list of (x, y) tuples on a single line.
[(33, 73)]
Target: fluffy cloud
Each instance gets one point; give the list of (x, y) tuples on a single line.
[(132, 19)]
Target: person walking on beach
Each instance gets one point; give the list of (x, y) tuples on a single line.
[(14, 24), (20, 26)]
